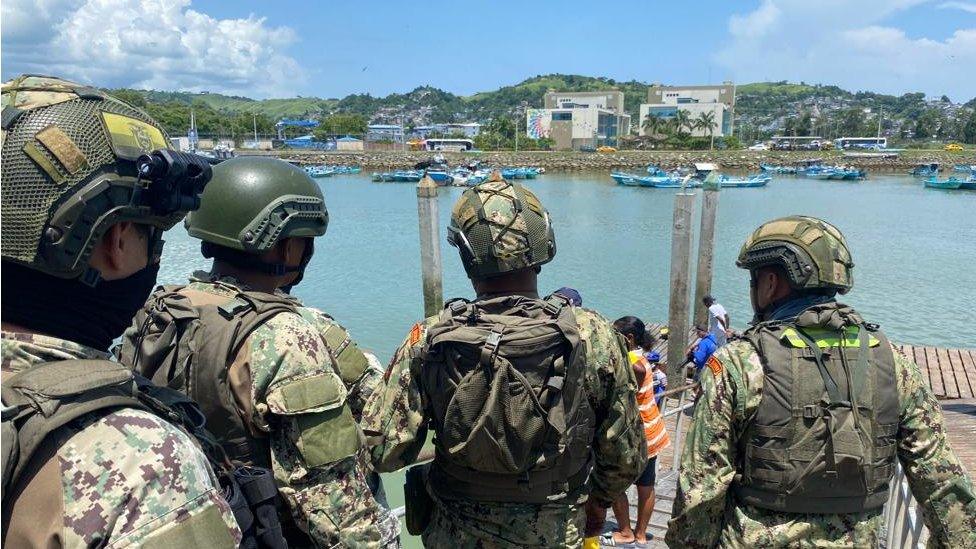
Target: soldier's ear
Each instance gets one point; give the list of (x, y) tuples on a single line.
[(121, 252)]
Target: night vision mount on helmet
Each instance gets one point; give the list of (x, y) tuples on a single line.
[(499, 227), (812, 252), (75, 162)]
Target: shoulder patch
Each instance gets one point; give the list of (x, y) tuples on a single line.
[(714, 365), (415, 333)]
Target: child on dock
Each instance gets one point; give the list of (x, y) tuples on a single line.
[(639, 342)]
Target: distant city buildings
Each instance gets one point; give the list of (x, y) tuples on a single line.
[(395, 132), (665, 102), (576, 120)]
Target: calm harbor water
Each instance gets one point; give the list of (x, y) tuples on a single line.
[(914, 250)]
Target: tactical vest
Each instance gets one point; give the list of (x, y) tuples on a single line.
[(503, 380), (39, 401), (823, 437), (189, 347)]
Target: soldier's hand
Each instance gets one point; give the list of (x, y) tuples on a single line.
[(596, 516)]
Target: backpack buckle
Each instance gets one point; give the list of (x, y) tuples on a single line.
[(494, 339), (812, 411), (554, 304)]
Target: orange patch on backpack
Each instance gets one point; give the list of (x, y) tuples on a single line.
[(714, 365), (415, 334)]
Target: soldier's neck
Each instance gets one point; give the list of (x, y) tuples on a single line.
[(525, 281), (259, 282)]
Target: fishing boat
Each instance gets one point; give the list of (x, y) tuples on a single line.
[(398, 176), (810, 167), (757, 180), (626, 179), (928, 169), (953, 183), (440, 176), (670, 182), (964, 168), (777, 169), (319, 171)]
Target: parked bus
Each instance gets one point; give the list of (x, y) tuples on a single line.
[(873, 143), (456, 145)]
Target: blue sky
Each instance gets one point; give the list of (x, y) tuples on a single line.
[(330, 49)]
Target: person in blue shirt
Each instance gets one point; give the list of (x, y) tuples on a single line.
[(703, 349)]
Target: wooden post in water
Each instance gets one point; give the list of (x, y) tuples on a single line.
[(430, 248), (706, 248), (678, 326)]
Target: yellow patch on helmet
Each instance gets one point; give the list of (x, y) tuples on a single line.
[(132, 138)]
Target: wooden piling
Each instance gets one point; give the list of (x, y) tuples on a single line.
[(706, 248), (678, 325), (430, 249)]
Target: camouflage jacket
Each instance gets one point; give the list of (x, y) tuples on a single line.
[(332, 502), (707, 515), (396, 417), (126, 478)]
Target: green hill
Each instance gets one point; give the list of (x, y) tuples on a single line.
[(761, 107)]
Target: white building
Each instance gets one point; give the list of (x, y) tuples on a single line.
[(574, 120), (665, 102)]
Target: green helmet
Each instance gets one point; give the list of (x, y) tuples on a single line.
[(252, 203), (500, 227), (76, 161), (813, 253)]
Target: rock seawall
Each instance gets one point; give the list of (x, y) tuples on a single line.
[(628, 160)]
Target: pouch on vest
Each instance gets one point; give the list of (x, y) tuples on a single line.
[(418, 504), (325, 428), (504, 381), (822, 439)]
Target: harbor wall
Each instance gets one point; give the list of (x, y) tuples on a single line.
[(578, 161)]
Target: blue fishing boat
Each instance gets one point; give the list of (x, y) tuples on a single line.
[(758, 180), (627, 179), (440, 176), (925, 170), (777, 169), (953, 183), (965, 168)]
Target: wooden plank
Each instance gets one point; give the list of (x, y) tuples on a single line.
[(948, 384), (948, 372), (935, 377), (962, 376), (968, 359)]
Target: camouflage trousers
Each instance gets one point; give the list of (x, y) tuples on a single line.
[(488, 525)]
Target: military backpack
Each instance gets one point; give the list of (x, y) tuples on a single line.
[(39, 401), (503, 378), (823, 437)]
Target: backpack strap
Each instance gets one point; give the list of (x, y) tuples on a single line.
[(47, 397)]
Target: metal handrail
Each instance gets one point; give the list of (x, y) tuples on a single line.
[(903, 521)]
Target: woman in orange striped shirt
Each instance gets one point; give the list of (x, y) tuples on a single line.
[(638, 341)]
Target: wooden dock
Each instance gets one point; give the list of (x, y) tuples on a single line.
[(951, 373)]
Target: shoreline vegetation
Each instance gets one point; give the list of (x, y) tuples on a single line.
[(580, 161)]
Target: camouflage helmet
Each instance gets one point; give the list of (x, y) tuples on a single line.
[(252, 203), (813, 253), (500, 227), (75, 162)]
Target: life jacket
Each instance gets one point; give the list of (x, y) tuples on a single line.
[(503, 379), (823, 437), (39, 401)]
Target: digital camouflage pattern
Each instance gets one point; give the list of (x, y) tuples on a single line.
[(514, 233), (333, 502), (396, 416), (128, 478), (706, 515)]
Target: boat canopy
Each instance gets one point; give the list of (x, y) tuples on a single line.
[(705, 166)]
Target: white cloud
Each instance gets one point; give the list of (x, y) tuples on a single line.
[(161, 44), (851, 44), (964, 6)]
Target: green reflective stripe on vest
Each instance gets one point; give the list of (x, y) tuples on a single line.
[(827, 338)]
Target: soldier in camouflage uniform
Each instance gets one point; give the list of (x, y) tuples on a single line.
[(512, 236), (795, 447), (80, 251), (283, 385)]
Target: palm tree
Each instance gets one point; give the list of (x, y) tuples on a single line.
[(652, 125), (706, 121), (681, 121)]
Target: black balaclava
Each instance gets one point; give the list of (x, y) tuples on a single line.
[(69, 309)]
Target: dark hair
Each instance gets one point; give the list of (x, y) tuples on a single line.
[(708, 300), (635, 328)]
